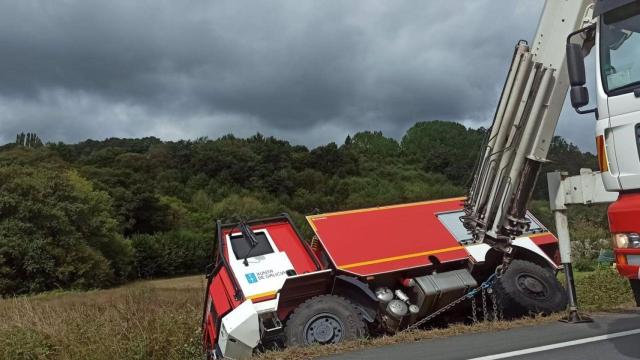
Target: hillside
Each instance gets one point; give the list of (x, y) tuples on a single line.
[(100, 213)]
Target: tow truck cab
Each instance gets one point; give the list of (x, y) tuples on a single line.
[(618, 129), (615, 32), (374, 270)]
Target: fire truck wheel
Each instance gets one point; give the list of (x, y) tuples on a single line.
[(529, 288), (324, 319)]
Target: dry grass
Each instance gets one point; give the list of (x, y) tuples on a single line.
[(150, 320), (160, 320), (405, 337)]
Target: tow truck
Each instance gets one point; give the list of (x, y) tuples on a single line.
[(387, 269), (526, 117), (615, 34)]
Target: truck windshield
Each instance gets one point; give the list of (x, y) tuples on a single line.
[(619, 49)]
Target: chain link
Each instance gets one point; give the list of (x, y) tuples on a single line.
[(494, 301), (474, 316), (485, 313)]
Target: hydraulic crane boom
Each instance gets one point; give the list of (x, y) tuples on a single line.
[(523, 127)]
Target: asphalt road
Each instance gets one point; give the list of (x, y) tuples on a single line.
[(610, 336)]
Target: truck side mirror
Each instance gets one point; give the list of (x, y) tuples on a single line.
[(579, 96), (575, 68), (575, 65)]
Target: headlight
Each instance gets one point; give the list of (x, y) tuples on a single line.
[(624, 241)]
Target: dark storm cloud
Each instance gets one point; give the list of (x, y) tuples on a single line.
[(310, 71)]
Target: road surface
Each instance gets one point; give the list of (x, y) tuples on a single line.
[(610, 336)]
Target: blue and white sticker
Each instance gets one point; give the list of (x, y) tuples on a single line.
[(251, 278)]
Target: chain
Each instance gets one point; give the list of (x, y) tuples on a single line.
[(474, 310), (485, 313), (470, 295), (437, 312), (494, 301), (507, 256)]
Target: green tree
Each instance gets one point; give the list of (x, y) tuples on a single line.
[(373, 144), (443, 147), (56, 231), (171, 253)]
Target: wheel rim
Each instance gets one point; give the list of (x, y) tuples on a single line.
[(532, 286), (323, 328)]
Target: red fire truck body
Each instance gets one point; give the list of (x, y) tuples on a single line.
[(367, 270)]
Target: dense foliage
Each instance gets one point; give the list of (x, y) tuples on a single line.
[(99, 212), (57, 231)]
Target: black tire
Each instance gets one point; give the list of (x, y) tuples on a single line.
[(635, 286), (527, 288), (324, 319)]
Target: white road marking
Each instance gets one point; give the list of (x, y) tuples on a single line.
[(558, 345)]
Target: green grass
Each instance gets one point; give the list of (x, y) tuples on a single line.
[(160, 319), (602, 290)]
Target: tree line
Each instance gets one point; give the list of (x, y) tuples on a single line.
[(99, 213)]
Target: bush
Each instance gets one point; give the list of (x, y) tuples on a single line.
[(171, 253), (56, 231), (603, 289), (585, 265), (235, 207)]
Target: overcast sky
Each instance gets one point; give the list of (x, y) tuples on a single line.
[(306, 71)]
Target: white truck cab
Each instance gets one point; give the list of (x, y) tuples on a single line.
[(618, 97), (616, 34), (261, 270)]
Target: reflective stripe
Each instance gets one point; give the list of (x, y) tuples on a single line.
[(400, 257), (320, 216), (536, 235), (262, 295)]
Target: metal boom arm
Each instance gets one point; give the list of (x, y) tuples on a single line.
[(523, 127)]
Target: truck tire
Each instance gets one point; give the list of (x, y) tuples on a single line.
[(635, 286), (324, 319), (527, 288)]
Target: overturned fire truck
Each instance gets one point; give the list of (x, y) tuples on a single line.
[(367, 271)]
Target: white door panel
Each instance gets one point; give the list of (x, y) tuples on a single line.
[(625, 115)]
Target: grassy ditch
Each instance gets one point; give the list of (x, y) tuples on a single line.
[(160, 320), (145, 320), (603, 290)]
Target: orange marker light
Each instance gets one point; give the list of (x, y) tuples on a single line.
[(621, 259), (603, 162)]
